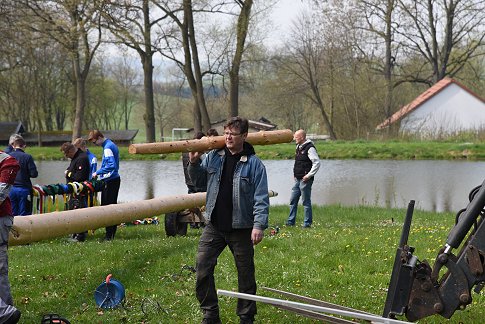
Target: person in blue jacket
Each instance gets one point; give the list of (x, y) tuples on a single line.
[(21, 193), (237, 208), (108, 172)]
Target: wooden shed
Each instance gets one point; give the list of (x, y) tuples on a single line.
[(119, 137), (9, 128)]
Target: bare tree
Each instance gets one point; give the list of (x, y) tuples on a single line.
[(241, 34), (33, 83), (76, 26), (132, 24), (166, 111), (127, 80), (445, 33), (306, 62), (188, 61), (380, 19)]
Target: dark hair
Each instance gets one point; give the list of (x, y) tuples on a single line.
[(19, 142), (94, 135), (212, 132), (198, 135), (239, 123), (13, 137), (80, 143), (67, 147)]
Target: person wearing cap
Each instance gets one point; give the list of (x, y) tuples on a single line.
[(108, 172), (77, 172), (80, 143), (21, 193), (9, 168)]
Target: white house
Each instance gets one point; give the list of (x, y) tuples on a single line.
[(447, 108)]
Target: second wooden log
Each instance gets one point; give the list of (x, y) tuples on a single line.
[(209, 143)]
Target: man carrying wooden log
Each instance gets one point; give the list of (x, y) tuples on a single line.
[(237, 206)]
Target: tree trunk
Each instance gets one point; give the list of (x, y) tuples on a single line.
[(389, 62), (197, 118), (80, 102), (149, 115), (242, 31), (321, 107), (197, 74)]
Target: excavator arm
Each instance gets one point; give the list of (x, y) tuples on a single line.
[(418, 290)]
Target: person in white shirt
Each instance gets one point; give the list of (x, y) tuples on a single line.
[(306, 166)]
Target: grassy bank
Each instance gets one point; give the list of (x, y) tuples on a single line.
[(396, 150), (346, 258)]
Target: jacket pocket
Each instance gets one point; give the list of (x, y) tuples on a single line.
[(246, 185)]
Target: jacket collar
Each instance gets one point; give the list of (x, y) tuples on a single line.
[(222, 152)]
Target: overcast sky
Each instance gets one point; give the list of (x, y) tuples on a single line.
[(284, 13)]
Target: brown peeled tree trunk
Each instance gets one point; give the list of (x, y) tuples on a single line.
[(209, 143), (34, 228)]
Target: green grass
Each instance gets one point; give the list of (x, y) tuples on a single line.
[(394, 150), (346, 258)]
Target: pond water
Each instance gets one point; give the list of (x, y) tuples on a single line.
[(434, 185)]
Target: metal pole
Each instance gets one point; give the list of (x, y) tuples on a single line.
[(280, 302)]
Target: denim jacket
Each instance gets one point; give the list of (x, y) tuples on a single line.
[(250, 188)]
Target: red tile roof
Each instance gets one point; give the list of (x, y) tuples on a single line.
[(422, 98)]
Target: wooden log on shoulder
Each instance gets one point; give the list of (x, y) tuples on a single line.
[(209, 143)]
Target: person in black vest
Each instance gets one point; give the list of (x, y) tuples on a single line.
[(306, 166)]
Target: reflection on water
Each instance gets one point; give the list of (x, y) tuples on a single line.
[(434, 185)]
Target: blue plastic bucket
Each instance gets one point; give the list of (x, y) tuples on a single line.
[(109, 294)]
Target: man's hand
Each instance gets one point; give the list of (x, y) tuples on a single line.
[(195, 156), (305, 178), (257, 236)]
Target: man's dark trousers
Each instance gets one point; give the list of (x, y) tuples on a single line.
[(212, 243), (109, 196)]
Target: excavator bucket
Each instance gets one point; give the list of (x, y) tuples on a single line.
[(403, 272)]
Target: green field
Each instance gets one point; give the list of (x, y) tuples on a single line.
[(394, 150), (346, 258)]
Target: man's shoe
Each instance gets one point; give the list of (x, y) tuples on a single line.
[(246, 320), (306, 226), (14, 318), (289, 224), (211, 320)]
